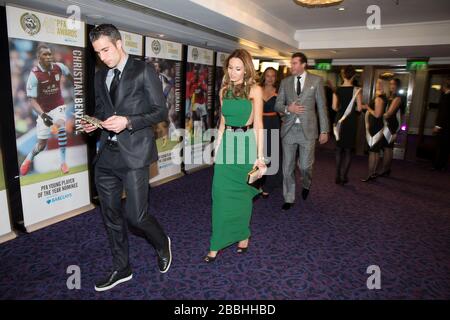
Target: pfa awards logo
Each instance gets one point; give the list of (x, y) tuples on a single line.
[(30, 23), (195, 53), (156, 46)]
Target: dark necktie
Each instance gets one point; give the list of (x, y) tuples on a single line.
[(112, 93), (299, 86), (114, 85)]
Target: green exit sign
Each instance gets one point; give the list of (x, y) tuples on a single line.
[(323, 66), (416, 65)]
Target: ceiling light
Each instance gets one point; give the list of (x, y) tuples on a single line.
[(317, 3), (95, 16), (341, 9), (436, 87), (249, 44)]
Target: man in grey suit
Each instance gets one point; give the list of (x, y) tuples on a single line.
[(297, 99)]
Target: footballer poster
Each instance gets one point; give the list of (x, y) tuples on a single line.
[(132, 43), (47, 58), (5, 222), (167, 58), (221, 57), (198, 107)]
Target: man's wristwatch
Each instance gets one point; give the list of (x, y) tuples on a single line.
[(129, 126)]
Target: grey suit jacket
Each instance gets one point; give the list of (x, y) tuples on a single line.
[(312, 93)]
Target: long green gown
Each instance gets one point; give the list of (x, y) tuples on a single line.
[(232, 197)]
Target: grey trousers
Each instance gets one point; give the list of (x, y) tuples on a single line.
[(293, 141)]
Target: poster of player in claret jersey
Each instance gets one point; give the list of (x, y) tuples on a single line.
[(198, 106), (220, 60), (47, 59), (167, 58)]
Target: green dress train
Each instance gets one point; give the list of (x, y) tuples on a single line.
[(232, 197)]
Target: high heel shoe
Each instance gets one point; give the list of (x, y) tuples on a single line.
[(209, 259), (386, 173), (242, 250), (369, 178)]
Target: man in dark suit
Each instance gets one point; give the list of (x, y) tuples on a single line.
[(442, 129), (128, 100)]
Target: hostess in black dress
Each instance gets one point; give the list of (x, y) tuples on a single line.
[(375, 125), (347, 134), (272, 121), (392, 121)]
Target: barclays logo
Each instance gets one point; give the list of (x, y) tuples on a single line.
[(58, 198)]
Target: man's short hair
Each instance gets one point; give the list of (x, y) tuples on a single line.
[(107, 30), (301, 55), (42, 47)]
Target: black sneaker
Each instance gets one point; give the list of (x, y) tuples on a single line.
[(114, 279), (165, 258)]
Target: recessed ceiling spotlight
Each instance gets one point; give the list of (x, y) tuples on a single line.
[(341, 9)]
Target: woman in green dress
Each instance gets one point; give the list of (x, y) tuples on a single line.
[(239, 149)]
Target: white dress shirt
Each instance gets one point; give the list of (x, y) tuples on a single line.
[(109, 79), (302, 83)]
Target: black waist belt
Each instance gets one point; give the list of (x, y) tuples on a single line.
[(233, 128)]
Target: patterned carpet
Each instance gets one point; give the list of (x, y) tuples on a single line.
[(320, 249)]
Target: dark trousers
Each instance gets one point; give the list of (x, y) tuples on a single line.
[(111, 178), (442, 151)]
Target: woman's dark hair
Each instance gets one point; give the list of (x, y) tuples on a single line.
[(348, 72), (446, 84), (262, 80), (397, 81)]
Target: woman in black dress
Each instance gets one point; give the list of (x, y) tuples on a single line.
[(271, 120), (374, 128), (345, 122), (392, 118)]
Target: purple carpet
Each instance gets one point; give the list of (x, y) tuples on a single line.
[(320, 249)]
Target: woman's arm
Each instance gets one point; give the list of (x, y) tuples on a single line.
[(379, 107), (335, 103), (221, 128), (257, 101), (359, 104), (393, 108)]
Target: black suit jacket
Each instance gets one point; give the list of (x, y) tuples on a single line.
[(443, 116), (139, 96)]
